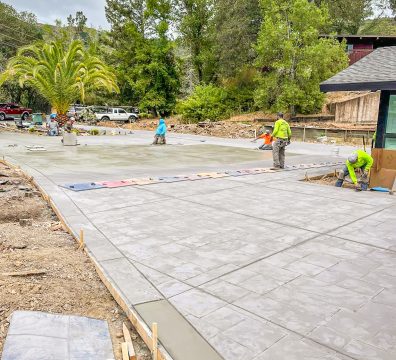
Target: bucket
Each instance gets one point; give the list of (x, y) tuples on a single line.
[(37, 119)]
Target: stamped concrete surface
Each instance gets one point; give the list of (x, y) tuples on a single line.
[(251, 268), (36, 335)]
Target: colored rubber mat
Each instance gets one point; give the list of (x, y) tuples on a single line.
[(116, 184), (172, 179), (83, 186)]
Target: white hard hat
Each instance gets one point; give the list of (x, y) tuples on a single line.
[(353, 158)]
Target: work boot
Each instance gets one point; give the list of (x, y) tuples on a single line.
[(364, 186), (339, 183)]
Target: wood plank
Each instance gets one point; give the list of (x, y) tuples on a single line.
[(82, 244), (25, 273), (124, 349), (155, 341), (128, 340)]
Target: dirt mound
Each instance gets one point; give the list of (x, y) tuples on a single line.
[(18, 198)]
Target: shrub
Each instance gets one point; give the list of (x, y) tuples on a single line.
[(240, 90), (144, 115), (94, 132), (76, 131), (32, 129), (205, 103)]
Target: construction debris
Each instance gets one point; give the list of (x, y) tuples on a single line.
[(26, 222)]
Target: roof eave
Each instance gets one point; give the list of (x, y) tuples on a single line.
[(366, 86)]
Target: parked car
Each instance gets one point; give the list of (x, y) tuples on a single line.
[(14, 111), (115, 114)]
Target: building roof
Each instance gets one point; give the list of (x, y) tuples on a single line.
[(346, 36), (376, 71)]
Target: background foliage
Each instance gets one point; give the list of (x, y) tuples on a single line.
[(228, 56)]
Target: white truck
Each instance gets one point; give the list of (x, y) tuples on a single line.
[(115, 114)]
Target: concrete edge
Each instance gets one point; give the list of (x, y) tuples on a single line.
[(139, 324)]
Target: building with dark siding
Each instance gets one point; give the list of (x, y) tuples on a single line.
[(376, 71)]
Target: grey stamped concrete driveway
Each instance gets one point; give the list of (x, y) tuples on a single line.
[(262, 267)]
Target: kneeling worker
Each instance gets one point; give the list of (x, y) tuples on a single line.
[(358, 160), (160, 133), (281, 135), (267, 140)]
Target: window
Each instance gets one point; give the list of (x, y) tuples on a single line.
[(121, 111), (390, 130), (391, 122)]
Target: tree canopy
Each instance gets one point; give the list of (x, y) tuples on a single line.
[(258, 54), (293, 60), (61, 74)]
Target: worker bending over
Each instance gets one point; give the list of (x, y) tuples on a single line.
[(358, 160), (281, 135), (160, 133), (267, 140)]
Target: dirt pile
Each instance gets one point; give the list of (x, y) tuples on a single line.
[(62, 278)]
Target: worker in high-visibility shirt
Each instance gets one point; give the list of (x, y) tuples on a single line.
[(281, 135), (358, 160), (267, 140)]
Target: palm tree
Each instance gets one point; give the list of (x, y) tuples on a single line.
[(62, 74)]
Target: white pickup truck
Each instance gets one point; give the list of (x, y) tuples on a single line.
[(115, 114)]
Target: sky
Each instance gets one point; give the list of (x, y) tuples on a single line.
[(47, 11)]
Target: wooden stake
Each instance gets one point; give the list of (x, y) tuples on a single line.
[(393, 190), (124, 349), (155, 341), (25, 273), (82, 244), (128, 340)]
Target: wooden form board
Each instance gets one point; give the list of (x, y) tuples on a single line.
[(128, 341), (383, 172)]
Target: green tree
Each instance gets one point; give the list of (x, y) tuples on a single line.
[(237, 24), (79, 21), (392, 5), (379, 26), (207, 102), (60, 74), (18, 29), (155, 74), (195, 26), (77, 27), (140, 49), (292, 58), (347, 15), (121, 12)]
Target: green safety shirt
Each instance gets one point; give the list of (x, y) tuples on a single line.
[(281, 130), (364, 161)]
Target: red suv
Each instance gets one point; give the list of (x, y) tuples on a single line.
[(14, 111)]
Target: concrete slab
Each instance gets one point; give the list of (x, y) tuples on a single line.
[(309, 266), (36, 336)]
